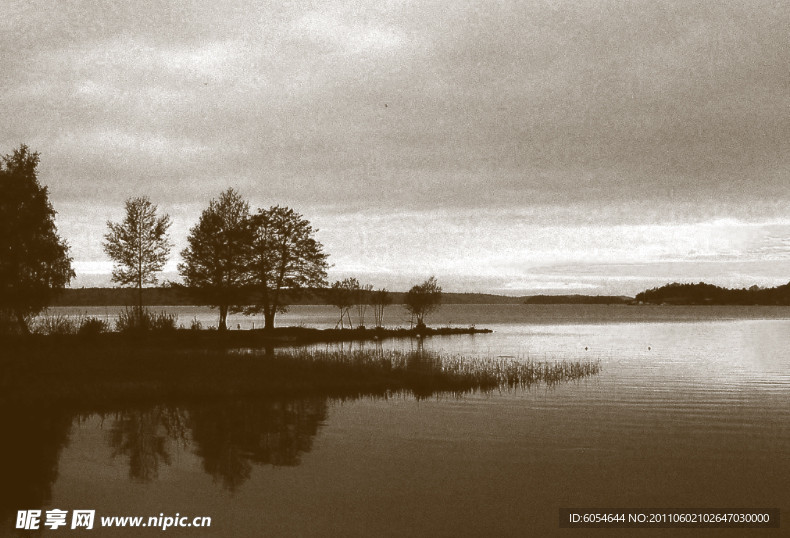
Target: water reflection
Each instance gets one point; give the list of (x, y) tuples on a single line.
[(231, 437), (142, 436), (29, 454)]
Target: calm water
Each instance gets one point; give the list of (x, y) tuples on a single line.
[(692, 409)]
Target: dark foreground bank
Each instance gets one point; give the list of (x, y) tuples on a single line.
[(115, 369)]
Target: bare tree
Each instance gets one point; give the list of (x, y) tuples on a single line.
[(139, 245)]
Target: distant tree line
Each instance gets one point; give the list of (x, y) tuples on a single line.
[(708, 294), (577, 299)]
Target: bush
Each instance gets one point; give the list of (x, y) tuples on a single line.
[(92, 326), (195, 325)]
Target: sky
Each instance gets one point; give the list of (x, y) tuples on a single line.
[(508, 147)]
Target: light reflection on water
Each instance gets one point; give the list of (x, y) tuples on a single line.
[(688, 414)]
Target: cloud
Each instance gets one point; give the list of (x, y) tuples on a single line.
[(600, 130)]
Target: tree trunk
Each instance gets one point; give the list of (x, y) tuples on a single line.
[(268, 317), (223, 316)]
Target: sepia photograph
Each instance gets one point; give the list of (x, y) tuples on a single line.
[(366, 268)]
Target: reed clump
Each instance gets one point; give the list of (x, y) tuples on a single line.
[(138, 319), (87, 375), (425, 371)]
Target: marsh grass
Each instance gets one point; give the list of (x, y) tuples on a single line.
[(55, 325), (105, 375), (423, 371), (135, 319)]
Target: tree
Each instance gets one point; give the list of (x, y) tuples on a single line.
[(380, 299), (423, 299), (341, 295), (138, 245), (362, 300), (214, 266), (285, 258), (34, 260)]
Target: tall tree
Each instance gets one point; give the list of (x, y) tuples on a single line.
[(215, 260), (34, 260), (423, 299), (139, 245), (286, 258)]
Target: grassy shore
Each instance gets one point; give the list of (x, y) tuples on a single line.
[(209, 338), (107, 375)]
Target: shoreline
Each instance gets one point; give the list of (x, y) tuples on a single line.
[(211, 338)]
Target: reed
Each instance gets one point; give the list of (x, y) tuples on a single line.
[(87, 375), (438, 371), (55, 325), (137, 319)]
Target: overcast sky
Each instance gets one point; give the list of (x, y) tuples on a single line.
[(513, 147)]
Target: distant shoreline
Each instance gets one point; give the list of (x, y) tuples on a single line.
[(163, 296)]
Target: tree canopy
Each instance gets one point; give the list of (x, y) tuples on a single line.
[(138, 245), (423, 299), (285, 257), (215, 262), (34, 260)]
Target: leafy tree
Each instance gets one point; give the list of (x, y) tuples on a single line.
[(214, 264), (423, 299), (138, 245), (34, 260), (380, 299), (285, 259)]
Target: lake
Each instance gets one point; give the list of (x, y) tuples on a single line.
[(691, 410)]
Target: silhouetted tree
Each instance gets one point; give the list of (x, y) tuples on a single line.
[(341, 295), (285, 258), (214, 264), (138, 245), (34, 260), (380, 300), (362, 300), (423, 299)]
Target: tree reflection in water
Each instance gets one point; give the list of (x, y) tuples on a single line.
[(143, 436), (233, 436), (29, 455), (229, 437)]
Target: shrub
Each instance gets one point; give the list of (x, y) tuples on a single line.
[(92, 326), (142, 319), (195, 325)]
